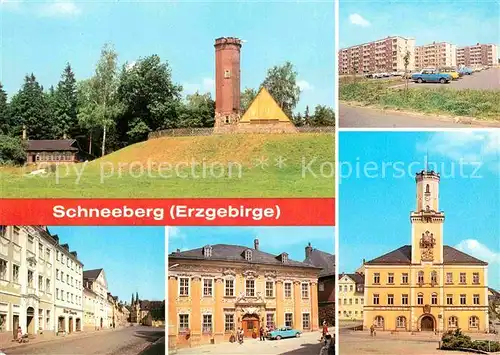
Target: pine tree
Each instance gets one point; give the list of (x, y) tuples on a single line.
[(65, 104), (4, 113), (132, 301), (137, 297), (30, 108), (307, 118)]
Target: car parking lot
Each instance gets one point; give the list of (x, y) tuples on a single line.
[(483, 80)]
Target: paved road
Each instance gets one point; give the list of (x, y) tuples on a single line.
[(307, 344), (483, 80), (350, 116), (126, 341)]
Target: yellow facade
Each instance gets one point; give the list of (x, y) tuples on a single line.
[(264, 108), (426, 285), (209, 300), (350, 299)]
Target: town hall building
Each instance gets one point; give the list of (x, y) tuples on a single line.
[(426, 286)]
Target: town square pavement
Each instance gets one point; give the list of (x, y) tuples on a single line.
[(307, 344), (385, 343), (125, 341)]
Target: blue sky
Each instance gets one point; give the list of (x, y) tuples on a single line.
[(461, 22), (41, 37), (133, 258), (274, 240), (375, 207)]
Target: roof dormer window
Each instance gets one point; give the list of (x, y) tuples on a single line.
[(207, 251), (284, 258), (248, 255)]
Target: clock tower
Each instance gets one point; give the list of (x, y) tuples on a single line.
[(427, 221)]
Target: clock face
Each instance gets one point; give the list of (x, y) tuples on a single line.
[(427, 198)]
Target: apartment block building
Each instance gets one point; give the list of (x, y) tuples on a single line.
[(437, 55), (69, 290), (478, 54), (42, 286), (28, 260), (384, 55)]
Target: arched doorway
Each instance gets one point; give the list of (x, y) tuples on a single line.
[(101, 323), (30, 320), (249, 323), (427, 323), (70, 327)]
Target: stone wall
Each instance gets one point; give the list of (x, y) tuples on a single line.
[(192, 132)]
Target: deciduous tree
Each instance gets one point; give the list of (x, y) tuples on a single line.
[(247, 96), (281, 82), (150, 99)]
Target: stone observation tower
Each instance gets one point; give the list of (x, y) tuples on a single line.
[(263, 115), (227, 81)]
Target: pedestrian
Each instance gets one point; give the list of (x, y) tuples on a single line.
[(19, 335), (262, 335), (324, 331), (240, 335), (372, 330)]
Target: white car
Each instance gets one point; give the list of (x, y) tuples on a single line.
[(377, 75)]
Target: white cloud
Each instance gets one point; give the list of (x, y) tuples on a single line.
[(206, 85), (60, 8), (466, 146), (357, 19), (175, 233), (478, 250), (130, 65), (10, 5), (304, 85)]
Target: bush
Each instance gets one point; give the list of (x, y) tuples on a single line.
[(453, 340), (456, 340), (12, 150)]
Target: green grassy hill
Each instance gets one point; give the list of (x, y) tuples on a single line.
[(260, 165)]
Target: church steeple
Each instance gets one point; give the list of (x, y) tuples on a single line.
[(427, 220)]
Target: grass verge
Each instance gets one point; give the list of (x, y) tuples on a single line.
[(480, 104), (261, 165)]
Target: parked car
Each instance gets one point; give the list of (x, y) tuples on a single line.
[(454, 74), (465, 71), (284, 332), (398, 73), (431, 76), (377, 75)]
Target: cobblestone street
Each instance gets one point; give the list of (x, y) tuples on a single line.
[(126, 341), (307, 344)]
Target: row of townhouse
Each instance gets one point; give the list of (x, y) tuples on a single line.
[(43, 287), (388, 55)]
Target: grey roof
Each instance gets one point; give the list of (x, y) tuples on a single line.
[(51, 145), (229, 252), (91, 274), (357, 278), (403, 256), (323, 260)]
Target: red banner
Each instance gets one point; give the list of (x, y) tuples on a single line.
[(169, 212)]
